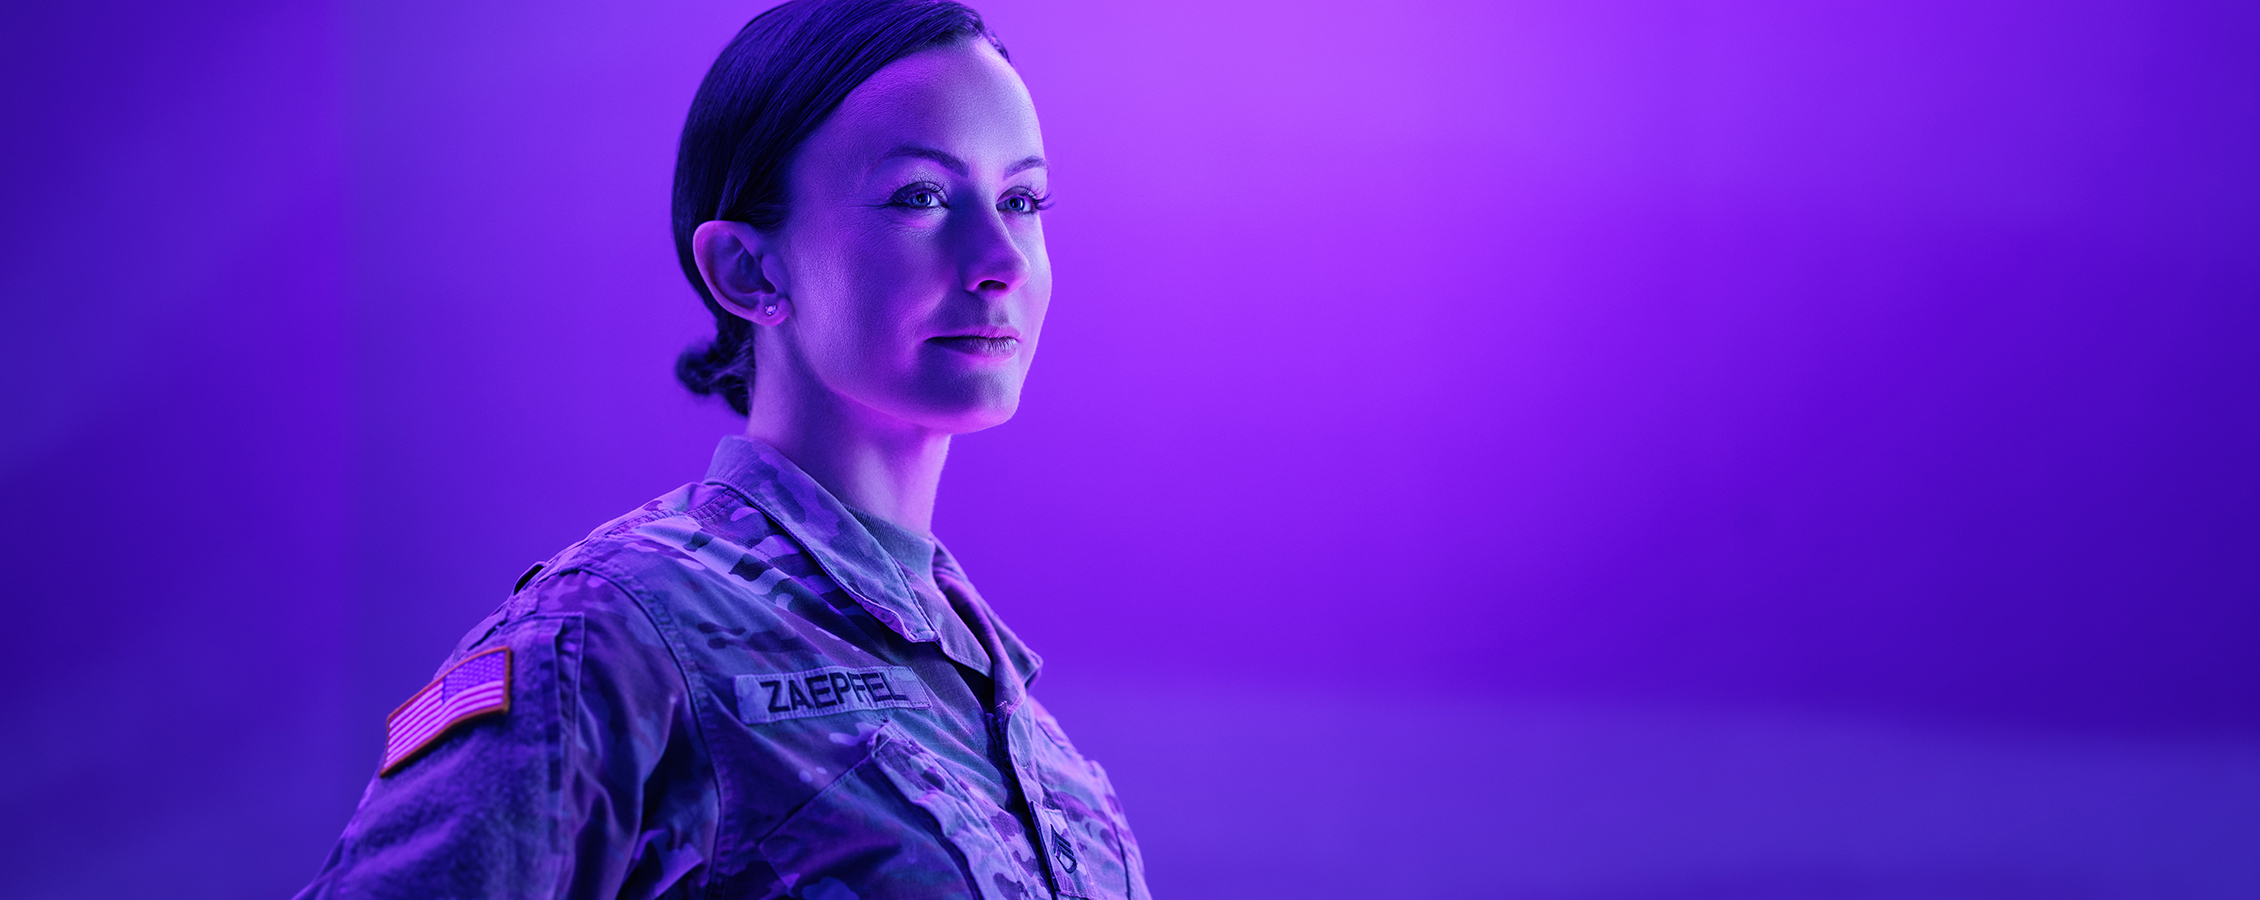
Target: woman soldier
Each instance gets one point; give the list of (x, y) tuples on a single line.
[(774, 682)]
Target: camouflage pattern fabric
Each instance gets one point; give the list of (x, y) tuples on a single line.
[(735, 692)]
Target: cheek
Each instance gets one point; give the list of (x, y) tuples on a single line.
[(1039, 290), (870, 277), (896, 266), (866, 309)]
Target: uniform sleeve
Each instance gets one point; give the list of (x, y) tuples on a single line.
[(590, 785)]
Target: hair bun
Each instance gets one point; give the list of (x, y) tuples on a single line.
[(719, 366)]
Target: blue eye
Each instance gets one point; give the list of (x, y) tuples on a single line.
[(919, 196), (1023, 203)]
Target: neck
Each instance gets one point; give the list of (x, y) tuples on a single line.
[(873, 462)]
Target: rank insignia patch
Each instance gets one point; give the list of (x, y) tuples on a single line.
[(477, 686)]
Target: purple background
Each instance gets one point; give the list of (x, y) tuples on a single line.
[(1569, 449)]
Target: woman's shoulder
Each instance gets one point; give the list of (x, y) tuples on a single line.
[(700, 542), (656, 539), (612, 572)]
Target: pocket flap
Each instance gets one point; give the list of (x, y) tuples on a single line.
[(992, 840), (859, 834)]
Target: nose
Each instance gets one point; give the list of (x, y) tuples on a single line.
[(991, 262)]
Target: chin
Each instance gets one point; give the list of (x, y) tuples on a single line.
[(975, 420), (972, 409)]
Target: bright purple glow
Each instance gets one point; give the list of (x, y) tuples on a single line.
[(1579, 449)]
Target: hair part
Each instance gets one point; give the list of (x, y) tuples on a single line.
[(780, 78)]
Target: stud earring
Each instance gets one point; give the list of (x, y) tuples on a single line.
[(769, 308)]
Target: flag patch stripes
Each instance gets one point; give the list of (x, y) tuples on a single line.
[(477, 686)]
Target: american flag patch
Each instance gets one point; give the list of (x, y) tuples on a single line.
[(472, 688)]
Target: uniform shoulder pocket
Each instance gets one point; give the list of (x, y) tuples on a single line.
[(481, 787)]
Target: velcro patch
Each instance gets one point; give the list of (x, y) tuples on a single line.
[(822, 692), (477, 686)]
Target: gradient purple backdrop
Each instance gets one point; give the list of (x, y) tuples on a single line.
[(1606, 449)]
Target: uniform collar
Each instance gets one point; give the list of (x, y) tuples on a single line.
[(847, 552), (1024, 661), (819, 522)]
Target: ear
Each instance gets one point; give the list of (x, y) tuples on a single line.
[(742, 270)]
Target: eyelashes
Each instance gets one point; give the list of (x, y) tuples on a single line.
[(1030, 201), (920, 195), (924, 195)]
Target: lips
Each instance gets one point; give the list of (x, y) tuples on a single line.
[(992, 346), (987, 341)]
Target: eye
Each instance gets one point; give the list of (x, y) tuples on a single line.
[(1023, 203), (919, 196)]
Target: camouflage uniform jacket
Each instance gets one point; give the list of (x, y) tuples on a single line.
[(735, 692)]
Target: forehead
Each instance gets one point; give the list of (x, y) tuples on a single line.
[(962, 98)]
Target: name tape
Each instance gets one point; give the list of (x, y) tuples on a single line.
[(827, 691)]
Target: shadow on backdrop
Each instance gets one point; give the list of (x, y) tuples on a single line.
[(1621, 449)]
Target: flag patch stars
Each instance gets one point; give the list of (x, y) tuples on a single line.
[(477, 686)]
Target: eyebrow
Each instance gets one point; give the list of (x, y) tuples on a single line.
[(954, 164)]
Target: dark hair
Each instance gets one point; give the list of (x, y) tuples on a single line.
[(780, 78)]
